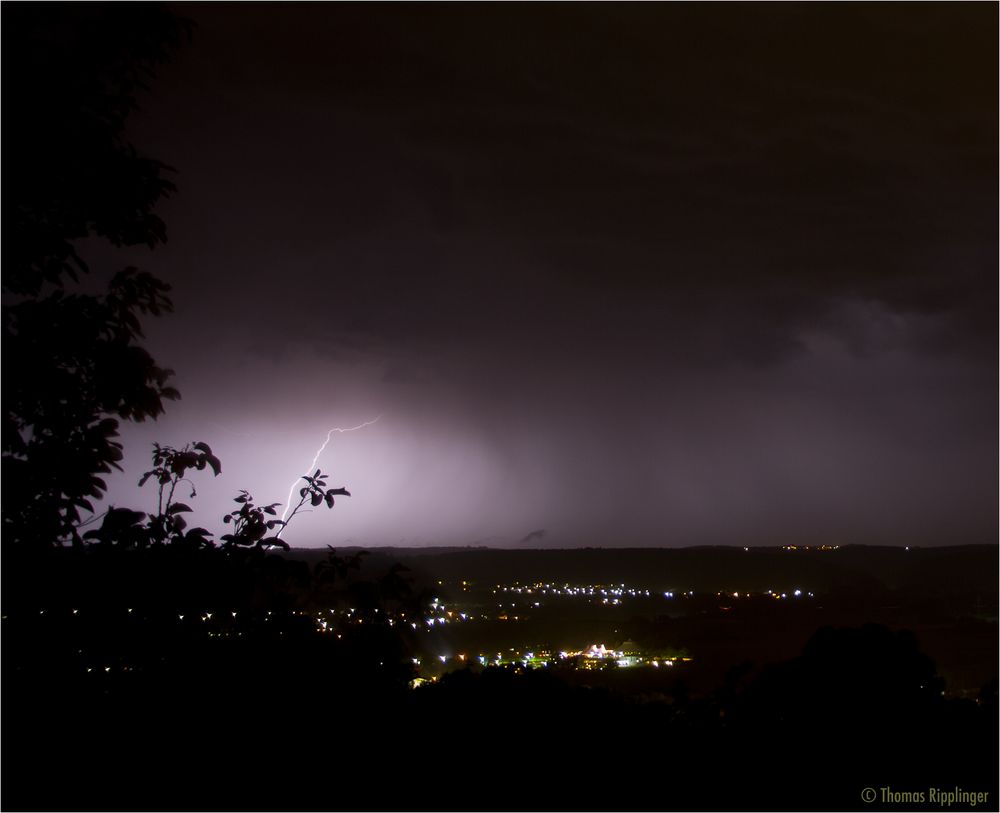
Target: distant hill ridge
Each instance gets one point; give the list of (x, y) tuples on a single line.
[(931, 571)]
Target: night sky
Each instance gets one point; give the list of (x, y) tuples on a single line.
[(611, 274)]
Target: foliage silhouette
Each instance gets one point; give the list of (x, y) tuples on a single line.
[(250, 524), (121, 527), (337, 567), (169, 467), (315, 493), (136, 599), (73, 362)]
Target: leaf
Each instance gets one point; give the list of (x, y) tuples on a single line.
[(329, 500), (145, 477), (203, 447), (268, 509), (227, 518), (108, 427), (316, 499), (215, 464), (198, 536), (179, 507)]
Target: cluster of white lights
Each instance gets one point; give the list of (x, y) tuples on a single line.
[(545, 588)]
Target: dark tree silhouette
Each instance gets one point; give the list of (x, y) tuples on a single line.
[(72, 358)]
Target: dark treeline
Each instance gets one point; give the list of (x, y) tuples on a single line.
[(179, 679), (284, 718)]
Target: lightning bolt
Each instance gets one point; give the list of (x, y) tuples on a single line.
[(312, 466)]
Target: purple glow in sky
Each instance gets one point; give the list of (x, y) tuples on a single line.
[(647, 275)]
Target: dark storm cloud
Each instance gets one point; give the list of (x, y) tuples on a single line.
[(670, 272), (767, 159), (533, 537)]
